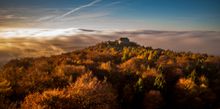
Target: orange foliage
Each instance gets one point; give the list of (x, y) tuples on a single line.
[(86, 92), (125, 76)]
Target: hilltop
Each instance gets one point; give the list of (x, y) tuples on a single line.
[(113, 75)]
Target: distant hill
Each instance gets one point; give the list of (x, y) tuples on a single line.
[(113, 75)]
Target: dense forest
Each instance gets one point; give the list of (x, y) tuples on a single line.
[(112, 75)]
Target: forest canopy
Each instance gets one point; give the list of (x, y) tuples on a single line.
[(112, 75)]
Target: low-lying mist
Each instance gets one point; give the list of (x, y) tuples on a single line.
[(29, 46)]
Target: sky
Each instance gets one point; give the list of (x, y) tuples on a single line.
[(174, 15)]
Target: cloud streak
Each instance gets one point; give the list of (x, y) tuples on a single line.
[(79, 8), (12, 17)]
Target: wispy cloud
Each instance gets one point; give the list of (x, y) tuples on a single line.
[(79, 8), (11, 16), (45, 18), (83, 16), (113, 3)]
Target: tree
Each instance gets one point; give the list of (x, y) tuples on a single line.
[(86, 92)]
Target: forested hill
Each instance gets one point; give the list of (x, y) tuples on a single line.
[(112, 75)]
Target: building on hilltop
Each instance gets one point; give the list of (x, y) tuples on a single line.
[(123, 40)]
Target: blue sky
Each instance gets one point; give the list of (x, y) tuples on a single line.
[(112, 14)]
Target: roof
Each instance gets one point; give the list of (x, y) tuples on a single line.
[(124, 39)]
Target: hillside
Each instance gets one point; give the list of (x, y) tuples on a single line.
[(113, 75)]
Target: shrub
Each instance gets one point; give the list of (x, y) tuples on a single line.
[(69, 72), (33, 81), (5, 103), (86, 92), (133, 65), (159, 81), (48, 99), (203, 80), (125, 54), (186, 94), (149, 77), (106, 66), (153, 100), (5, 91), (89, 92), (4, 86), (187, 85)]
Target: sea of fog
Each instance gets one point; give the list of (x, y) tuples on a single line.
[(19, 43)]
